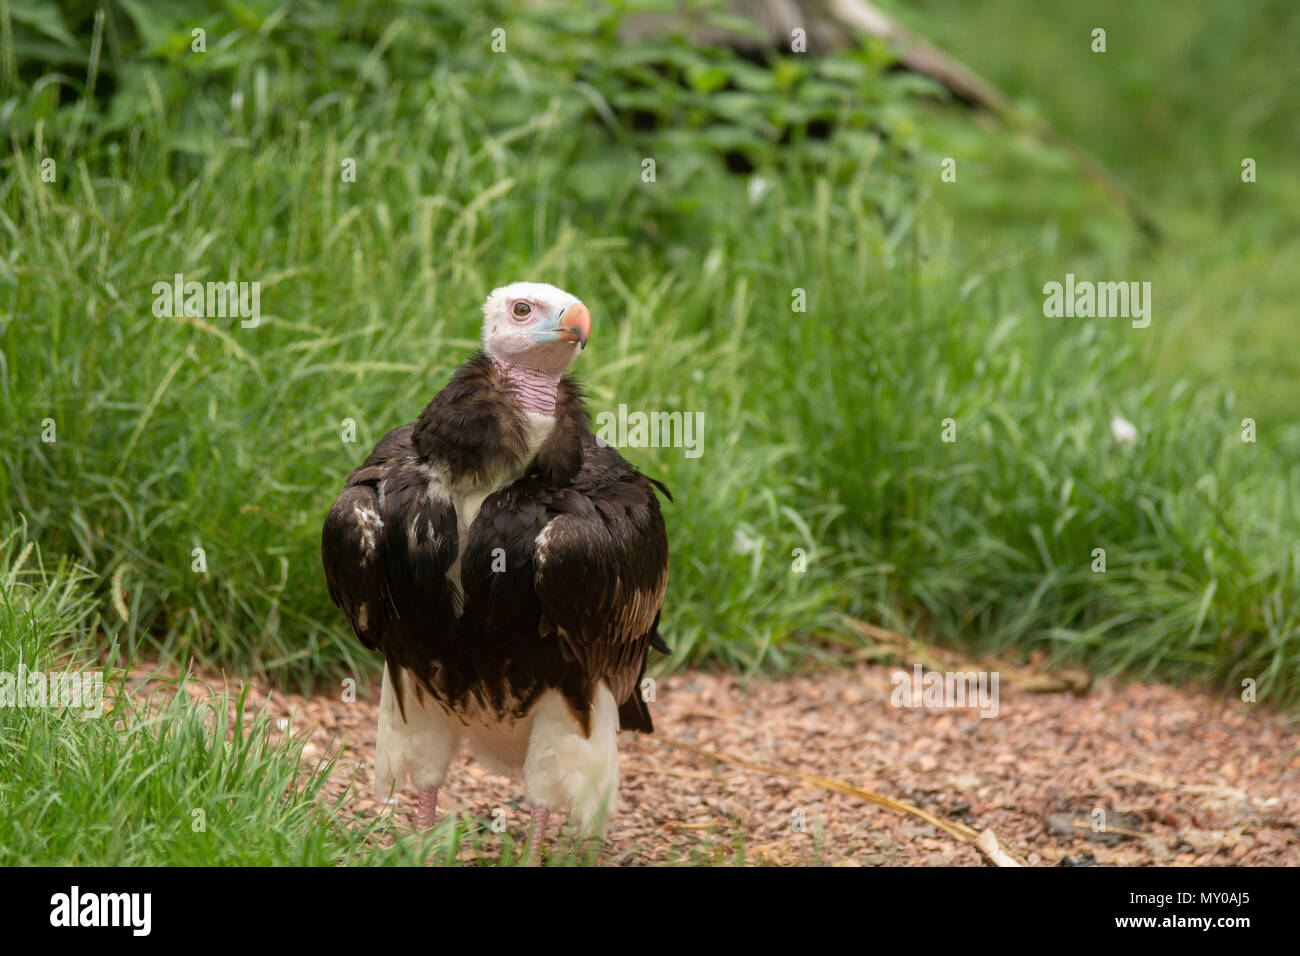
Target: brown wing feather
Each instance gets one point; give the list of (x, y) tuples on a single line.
[(601, 569), (387, 545)]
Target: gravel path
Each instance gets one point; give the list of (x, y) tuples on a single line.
[(1177, 775)]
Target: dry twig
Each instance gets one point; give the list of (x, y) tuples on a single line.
[(986, 843)]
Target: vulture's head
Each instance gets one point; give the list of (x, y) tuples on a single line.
[(534, 326)]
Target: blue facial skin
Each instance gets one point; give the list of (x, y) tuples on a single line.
[(551, 331), (543, 336)]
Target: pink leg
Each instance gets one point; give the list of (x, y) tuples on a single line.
[(541, 817), (428, 808)]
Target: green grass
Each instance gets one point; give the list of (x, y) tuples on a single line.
[(172, 781), (823, 428)]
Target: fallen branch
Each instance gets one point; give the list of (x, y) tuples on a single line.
[(988, 845), (985, 842)]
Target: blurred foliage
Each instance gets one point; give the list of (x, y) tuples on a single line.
[(690, 105)]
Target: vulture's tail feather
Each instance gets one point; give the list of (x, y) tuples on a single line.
[(633, 714)]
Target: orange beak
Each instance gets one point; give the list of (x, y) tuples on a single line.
[(575, 324)]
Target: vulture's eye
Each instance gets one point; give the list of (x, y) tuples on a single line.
[(521, 310)]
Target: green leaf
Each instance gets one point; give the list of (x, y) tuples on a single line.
[(43, 17)]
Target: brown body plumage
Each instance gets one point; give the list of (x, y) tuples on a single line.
[(521, 628)]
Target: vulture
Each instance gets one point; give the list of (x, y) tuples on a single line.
[(510, 567)]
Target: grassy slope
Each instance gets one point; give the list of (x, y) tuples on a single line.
[(1172, 107), (823, 428)]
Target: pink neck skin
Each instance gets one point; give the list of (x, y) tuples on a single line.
[(534, 391)]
